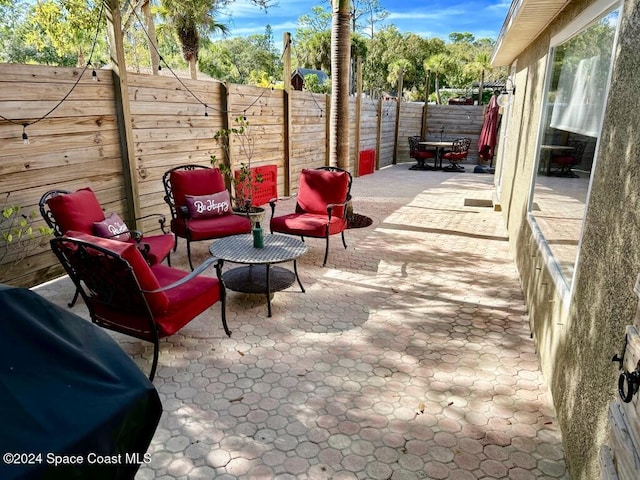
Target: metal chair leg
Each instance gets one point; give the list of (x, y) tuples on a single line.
[(154, 365), (326, 252), (75, 299), (189, 254), (343, 240)]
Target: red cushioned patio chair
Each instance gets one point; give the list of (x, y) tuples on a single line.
[(200, 205), (458, 153), (563, 162), (125, 294), (81, 211), (321, 208), (419, 153)]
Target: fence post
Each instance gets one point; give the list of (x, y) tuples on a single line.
[(356, 163), (378, 132), (225, 107), (397, 129), (286, 40), (425, 122), (123, 112)]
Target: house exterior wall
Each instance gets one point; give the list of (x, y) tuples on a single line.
[(576, 337)]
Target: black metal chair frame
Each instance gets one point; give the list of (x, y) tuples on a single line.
[(51, 222), (119, 290), (330, 208)]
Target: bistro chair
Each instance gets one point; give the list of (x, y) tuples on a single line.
[(321, 206), (458, 153), (421, 155), (81, 211), (125, 294), (564, 161), (200, 205)]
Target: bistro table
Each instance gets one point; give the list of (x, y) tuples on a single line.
[(258, 275), (439, 145)]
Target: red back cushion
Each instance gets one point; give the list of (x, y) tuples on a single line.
[(318, 188), (201, 181), (158, 302), (76, 211), (214, 205)]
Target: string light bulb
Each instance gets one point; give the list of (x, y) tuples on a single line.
[(206, 114), (25, 137)]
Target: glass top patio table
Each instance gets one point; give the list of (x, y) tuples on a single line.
[(439, 145)]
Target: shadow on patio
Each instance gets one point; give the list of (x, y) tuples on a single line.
[(408, 356)]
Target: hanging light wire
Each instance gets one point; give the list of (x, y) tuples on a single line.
[(25, 124)]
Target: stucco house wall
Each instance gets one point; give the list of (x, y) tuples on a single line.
[(576, 337)]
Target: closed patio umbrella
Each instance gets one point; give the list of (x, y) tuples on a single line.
[(489, 132)]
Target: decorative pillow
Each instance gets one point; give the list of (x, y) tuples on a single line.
[(214, 205), (112, 227)]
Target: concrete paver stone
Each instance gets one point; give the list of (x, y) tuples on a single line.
[(408, 357)]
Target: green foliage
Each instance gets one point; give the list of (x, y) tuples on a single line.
[(17, 234), (59, 32), (312, 84), (243, 60), (68, 27)]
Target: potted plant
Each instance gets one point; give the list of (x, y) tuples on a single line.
[(243, 180)]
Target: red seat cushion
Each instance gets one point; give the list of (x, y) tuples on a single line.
[(76, 211), (185, 302), (213, 227), (159, 247), (455, 155), (318, 188), (566, 160), (424, 154), (158, 302), (201, 181), (307, 224)]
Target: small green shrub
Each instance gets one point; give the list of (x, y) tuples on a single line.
[(17, 233)]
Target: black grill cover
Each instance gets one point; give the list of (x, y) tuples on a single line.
[(67, 388)]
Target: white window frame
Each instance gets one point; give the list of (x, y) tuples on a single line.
[(588, 16)]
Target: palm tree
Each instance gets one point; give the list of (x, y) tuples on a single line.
[(340, 53), (438, 64), (478, 68), (193, 18)]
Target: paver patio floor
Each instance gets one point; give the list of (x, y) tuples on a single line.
[(408, 357)]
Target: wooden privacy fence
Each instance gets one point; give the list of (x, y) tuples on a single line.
[(84, 140)]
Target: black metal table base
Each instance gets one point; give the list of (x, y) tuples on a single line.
[(261, 279)]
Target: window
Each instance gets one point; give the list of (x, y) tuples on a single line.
[(574, 98)]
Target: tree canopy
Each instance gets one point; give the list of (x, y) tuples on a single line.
[(61, 32)]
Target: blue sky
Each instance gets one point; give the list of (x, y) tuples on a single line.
[(432, 18)]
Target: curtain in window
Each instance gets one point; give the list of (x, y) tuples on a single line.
[(579, 97)]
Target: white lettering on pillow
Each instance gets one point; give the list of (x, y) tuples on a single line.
[(112, 227), (213, 205)]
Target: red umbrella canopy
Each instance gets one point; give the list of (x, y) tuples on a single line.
[(489, 132)]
